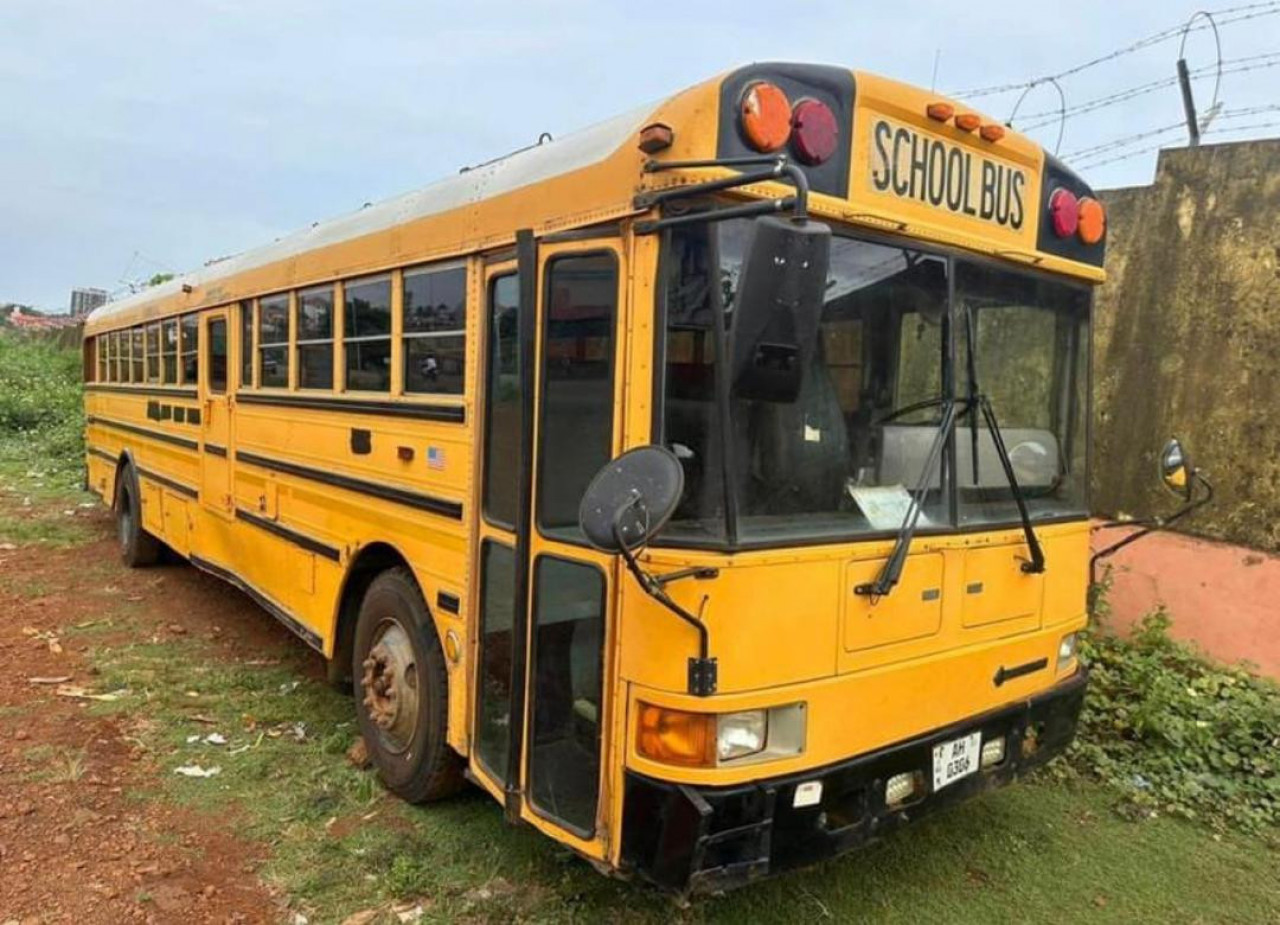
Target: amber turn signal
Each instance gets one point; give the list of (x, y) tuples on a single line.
[(765, 114), (1092, 222), (676, 737)]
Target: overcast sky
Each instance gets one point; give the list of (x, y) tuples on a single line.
[(138, 136)]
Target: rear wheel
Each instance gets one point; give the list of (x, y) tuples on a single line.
[(137, 546), (402, 691)]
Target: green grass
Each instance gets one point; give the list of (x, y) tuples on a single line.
[(48, 527), (1039, 850)]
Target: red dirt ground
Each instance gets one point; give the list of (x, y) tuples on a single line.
[(75, 844)]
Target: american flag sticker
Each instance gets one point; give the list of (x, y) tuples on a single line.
[(435, 457)]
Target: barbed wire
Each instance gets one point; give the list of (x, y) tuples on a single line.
[(1229, 66), (1088, 156), (1246, 12), (1088, 163)]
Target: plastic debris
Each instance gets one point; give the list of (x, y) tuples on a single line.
[(194, 770)]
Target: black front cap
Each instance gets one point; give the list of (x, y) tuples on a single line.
[(1058, 176), (830, 85)]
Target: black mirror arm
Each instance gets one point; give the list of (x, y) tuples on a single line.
[(767, 167), (702, 670), (1149, 526)]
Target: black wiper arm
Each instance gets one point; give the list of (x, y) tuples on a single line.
[(971, 361), (892, 569), (979, 401), (1036, 564)]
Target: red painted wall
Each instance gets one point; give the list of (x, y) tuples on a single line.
[(1224, 598)]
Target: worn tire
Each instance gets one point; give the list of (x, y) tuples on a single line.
[(424, 767), (137, 547)]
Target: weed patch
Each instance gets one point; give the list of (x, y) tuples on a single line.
[(1176, 733)]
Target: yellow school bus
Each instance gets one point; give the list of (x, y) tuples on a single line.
[(708, 486)]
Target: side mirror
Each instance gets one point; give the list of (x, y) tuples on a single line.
[(631, 498), (1176, 470), (778, 308)]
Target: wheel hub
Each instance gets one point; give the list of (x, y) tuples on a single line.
[(390, 685)]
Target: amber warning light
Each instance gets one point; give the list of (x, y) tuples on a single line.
[(769, 121)]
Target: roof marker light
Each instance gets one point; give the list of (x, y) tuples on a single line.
[(765, 114), (940, 112), (656, 137), (968, 121), (992, 131), (814, 131), (1093, 221), (1064, 210)]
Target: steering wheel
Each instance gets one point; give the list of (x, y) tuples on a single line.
[(909, 409)]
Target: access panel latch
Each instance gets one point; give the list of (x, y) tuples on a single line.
[(703, 676)]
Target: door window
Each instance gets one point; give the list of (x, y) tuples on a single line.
[(576, 433), (218, 356), (567, 639), (497, 592), (502, 457)]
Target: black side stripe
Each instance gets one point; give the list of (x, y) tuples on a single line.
[(102, 454), (168, 482), (441, 506), (1017, 671), (293, 536), (453, 414), (306, 635), (216, 450), (145, 432), (139, 390)]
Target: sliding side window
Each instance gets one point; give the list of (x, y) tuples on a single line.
[(366, 334)]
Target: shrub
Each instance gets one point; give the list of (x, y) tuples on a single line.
[(1177, 733), (41, 404)]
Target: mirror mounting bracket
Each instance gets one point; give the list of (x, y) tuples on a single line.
[(768, 167), (703, 670)]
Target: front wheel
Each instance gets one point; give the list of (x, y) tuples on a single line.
[(402, 691), (137, 546)]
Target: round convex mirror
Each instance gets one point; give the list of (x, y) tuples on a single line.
[(637, 492), (1175, 468)]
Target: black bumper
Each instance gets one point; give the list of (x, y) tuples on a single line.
[(707, 839)]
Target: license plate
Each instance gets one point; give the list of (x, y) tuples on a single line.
[(956, 759)]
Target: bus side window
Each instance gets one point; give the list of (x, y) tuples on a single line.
[(273, 341), (435, 324)]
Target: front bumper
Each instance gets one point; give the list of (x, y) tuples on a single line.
[(708, 839)]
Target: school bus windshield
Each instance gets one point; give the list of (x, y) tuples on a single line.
[(841, 460)]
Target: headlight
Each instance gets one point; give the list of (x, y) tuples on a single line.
[(703, 740), (741, 734), (1066, 650)]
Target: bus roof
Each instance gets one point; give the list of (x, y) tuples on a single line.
[(471, 185), (900, 168)]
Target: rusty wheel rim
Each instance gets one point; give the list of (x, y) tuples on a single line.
[(389, 685)]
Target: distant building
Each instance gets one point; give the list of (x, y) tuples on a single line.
[(84, 301), (29, 320)]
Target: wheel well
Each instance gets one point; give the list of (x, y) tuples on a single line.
[(369, 563), (122, 464)]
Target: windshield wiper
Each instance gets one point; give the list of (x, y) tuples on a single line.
[(892, 569), (1036, 564)]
